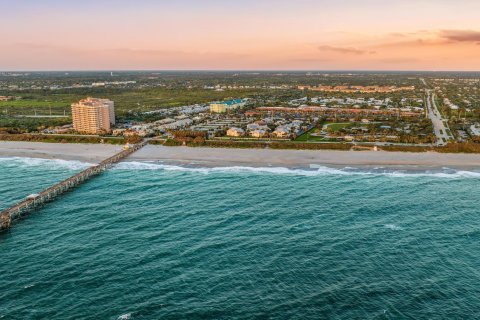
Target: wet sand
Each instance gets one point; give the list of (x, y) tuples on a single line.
[(243, 157), (93, 153)]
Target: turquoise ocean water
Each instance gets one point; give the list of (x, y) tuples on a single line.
[(152, 241)]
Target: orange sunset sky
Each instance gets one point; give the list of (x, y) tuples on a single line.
[(240, 35)]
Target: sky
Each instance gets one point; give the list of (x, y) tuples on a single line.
[(240, 35)]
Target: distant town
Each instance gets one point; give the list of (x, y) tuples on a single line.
[(359, 111)]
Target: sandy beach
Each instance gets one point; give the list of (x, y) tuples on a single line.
[(305, 158), (93, 153), (243, 157)]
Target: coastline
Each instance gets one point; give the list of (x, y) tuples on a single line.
[(219, 157), (92, 153)]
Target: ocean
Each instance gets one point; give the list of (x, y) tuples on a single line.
[(155, 241)]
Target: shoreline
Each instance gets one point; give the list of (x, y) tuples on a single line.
[(228, 157), (222, 157), (92, 153)]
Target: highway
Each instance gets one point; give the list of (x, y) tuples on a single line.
[(439, 124)]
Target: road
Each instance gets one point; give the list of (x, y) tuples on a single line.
[(439, 124)]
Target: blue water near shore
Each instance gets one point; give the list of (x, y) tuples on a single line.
[(151, 241)]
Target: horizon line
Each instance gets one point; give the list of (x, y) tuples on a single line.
[(234, 70)]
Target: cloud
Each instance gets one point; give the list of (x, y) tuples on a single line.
[(308, 60), (147, 52), (400, 60), (461, 35), (397, 35), (429, 38), (418, 33), (345, 50), (414, 43)]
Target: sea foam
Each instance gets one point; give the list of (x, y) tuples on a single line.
[(393, 227), (125, 316), (47, 163), (315, 170)]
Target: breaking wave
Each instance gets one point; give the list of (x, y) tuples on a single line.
[(314, 171), (393, 227), (46, 163), (125, 316)]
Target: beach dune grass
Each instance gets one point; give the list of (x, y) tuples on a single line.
[(62, 138)]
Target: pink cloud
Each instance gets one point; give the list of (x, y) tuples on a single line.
[(345, 50), (461, 35)]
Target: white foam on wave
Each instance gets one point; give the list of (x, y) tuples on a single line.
[(125, 316), (393, 227), (134, 165), (48, 163), (450, 174), (315, 171)]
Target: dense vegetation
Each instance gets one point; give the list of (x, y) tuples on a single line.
[(451, 148), (61, 138), (127, 100), (25, 125)]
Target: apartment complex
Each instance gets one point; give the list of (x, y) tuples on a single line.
[(362, 89), (93, 116), (222, 107)]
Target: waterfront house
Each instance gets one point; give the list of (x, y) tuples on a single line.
[(235, 132), (281, 132), (259, 133)]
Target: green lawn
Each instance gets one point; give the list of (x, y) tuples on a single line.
[(308, 137), (125, 99), (334, 126), (338, 126), (32, 103)]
